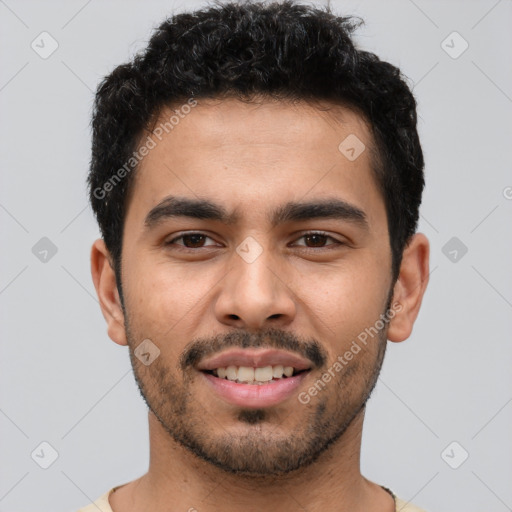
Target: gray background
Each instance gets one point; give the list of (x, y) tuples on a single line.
[(64, 382)]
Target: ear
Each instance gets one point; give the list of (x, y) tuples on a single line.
[(104, 279), (410, 287)]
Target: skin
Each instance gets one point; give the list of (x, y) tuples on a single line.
[(205, 453)]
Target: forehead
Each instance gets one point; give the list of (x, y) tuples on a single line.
[(240, 153), (229, 121)]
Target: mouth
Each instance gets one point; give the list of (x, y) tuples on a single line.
[(255, 378), (258, 376)]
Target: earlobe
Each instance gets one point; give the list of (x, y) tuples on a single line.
[(104, 279), (410, 287)]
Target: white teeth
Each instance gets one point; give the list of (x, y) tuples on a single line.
[(231, 372), (245, 374), (277, 371), (288, 371), (263, 374), (254, 375)]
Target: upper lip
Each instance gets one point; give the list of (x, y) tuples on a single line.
[(255, 358)]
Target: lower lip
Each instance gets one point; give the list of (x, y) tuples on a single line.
[(255, 395)]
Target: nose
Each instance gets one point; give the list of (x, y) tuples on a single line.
[(255, 295)]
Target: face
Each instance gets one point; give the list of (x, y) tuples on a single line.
[(252, 241)]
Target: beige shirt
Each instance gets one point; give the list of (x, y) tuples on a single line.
[(102, 504)]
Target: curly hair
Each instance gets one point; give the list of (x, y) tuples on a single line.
[(240, 49)]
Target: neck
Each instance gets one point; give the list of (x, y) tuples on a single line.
[(178, 478)]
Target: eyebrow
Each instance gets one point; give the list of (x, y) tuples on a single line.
[(331, 208)]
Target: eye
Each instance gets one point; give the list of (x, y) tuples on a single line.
[(317, 240), (195, 240), (191, 241)]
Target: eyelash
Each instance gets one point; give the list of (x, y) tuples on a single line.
[(309, 233)]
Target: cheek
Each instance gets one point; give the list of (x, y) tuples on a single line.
[(160, 296), (345, 301)]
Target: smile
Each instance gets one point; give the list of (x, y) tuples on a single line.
[(259, 376)]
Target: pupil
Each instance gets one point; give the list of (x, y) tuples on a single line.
[(318, 238), (196, 239)]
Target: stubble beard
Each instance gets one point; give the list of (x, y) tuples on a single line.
[(258, 447)]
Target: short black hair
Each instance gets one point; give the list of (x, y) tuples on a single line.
[(279, 50)]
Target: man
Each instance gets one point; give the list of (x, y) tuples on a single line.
[(257, 181)]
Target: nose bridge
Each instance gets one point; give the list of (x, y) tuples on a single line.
[(255, 277), (253, 294)]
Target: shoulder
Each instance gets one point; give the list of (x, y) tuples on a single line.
[(100, 505)]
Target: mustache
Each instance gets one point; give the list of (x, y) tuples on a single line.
[(201, 348)]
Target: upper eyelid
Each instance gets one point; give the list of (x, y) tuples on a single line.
[(321, 233), (189, 233)]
